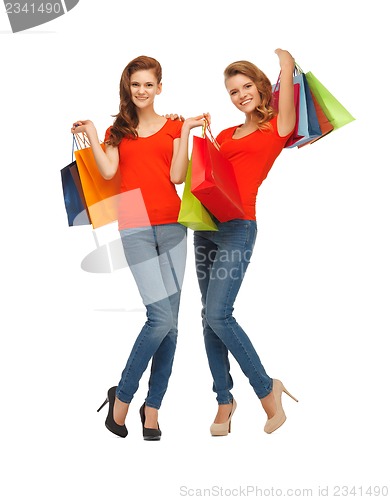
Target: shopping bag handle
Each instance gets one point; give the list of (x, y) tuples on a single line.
[(297, 70), (81, 141), (74, 143), (78, 142), (205, 127)]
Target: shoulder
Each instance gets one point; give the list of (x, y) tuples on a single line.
[(108, 133), (274, 128), (174, 125)]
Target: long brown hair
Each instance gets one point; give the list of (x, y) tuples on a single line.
[(126, 121), (265, 110)]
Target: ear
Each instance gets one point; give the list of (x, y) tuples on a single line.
[(159, 88)]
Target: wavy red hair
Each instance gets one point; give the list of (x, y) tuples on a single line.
[(126, 121)]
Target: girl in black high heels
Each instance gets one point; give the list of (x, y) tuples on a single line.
[(151, 153)]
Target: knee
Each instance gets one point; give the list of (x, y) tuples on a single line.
[(215, 319), (161, 318), (164, 323)]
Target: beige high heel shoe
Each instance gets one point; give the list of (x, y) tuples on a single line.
[(279, 418), (224, 428)]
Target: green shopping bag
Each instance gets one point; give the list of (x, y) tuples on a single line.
[(337, 115), (192, 213)]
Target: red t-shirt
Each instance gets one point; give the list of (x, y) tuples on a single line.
[(252, 157), (147, 194)]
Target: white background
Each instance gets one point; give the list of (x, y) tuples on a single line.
[(316, 299)]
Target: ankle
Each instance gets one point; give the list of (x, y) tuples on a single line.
[(151, 417), (223, 413), (269, 405), (120, 411)]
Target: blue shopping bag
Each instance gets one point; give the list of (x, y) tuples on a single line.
[(308, 125), (75, 204)]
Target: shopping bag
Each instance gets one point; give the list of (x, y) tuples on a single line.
[(192, 213), (325, 125), (298, 132), (74, 200), (308, 124), (336, 113), (100, 194), (75, 205), (213, 179)]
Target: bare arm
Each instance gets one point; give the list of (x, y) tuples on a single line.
[(179, 162), (286, 115), (108, 161)]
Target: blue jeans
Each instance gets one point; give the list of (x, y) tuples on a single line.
[(222, 258), (156, 256)]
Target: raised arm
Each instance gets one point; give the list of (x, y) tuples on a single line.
[(108, 161), (286, 114), (179, 162)]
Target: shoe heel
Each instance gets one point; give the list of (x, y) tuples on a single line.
[(112, 426), (289, 394), (105, 402), (224, 428)]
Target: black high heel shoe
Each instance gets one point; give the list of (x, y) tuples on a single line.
[(119, 430), (149, 434)]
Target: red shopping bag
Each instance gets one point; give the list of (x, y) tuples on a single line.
[(213, 180)]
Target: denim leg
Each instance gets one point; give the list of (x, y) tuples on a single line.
[(220, 283), (172, 245), (156, 258), (217, 353), (162, 360), (159, 323)]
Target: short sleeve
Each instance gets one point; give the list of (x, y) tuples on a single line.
[(108, 131), (175, 128)]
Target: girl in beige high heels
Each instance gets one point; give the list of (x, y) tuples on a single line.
[(222, 256)]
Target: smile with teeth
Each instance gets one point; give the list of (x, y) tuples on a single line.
[(245, 102)]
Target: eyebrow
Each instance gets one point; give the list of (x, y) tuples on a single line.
[(235, 88)]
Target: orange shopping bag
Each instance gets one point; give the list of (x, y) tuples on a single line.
[(325, 125), (100, 194)]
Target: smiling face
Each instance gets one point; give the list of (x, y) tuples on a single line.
[(144, 87), (243, 93)]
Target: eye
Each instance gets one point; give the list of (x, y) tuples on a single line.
[(233, 92), (248, 85)]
